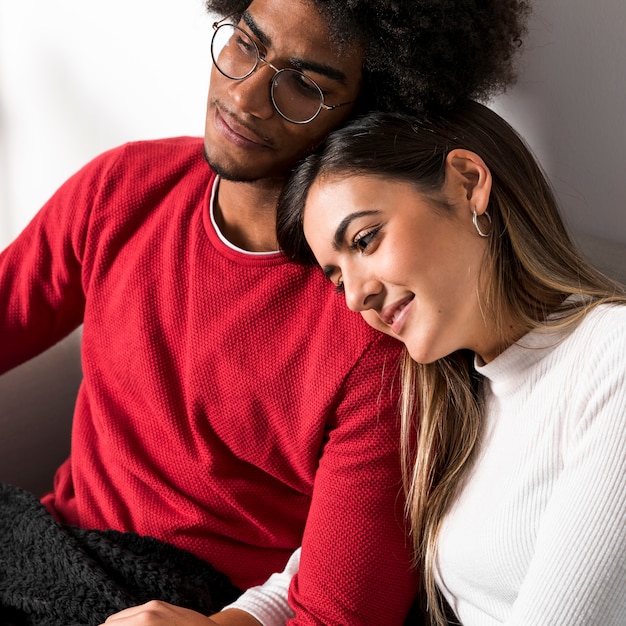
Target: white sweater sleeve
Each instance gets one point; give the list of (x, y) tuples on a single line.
[(268, 602), (577, 575)]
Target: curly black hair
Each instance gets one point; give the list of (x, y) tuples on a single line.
[(423, 54)]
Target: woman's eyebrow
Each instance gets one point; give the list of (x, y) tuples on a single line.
[(340, 233), (301, 64)]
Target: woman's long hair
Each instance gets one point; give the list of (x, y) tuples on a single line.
[(530, 270)]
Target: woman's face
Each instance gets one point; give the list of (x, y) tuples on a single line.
[(410, 267)]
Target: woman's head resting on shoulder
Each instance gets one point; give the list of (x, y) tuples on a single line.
[(440, 230), (408, 260)]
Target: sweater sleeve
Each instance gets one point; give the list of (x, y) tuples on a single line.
[(41, 279), (578, 571), (355, 566)]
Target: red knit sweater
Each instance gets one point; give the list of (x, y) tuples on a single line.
[(231, 404)]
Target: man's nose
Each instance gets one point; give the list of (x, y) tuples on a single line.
[(252, 94)]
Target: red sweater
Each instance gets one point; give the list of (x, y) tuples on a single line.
[(231, 404)]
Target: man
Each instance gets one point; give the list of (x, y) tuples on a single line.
[(230, 405)]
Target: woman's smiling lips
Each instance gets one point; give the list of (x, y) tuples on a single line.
[(238, 134), (394, 315)]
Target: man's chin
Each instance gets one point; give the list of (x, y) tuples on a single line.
[(235, 174), (235, 177)]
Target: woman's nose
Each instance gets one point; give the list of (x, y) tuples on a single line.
[(252, 94), (361, 292)]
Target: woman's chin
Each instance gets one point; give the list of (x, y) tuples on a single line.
[(423, 354)]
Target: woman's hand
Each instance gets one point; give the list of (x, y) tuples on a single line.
[(157, 613)]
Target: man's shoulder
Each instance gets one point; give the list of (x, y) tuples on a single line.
[(168, 150), (153, 155), (165, 143), (145, 165)]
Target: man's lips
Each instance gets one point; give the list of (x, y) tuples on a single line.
[(237, 132), (394, 314)]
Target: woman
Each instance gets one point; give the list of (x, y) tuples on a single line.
[(444, 233)]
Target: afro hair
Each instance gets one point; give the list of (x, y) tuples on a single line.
[(423, 55)]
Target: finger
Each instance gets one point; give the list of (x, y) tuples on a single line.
[(129, 612)]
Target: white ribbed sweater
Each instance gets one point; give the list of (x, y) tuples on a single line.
[(537, 535)]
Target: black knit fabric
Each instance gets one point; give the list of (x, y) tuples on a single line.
[(55, 575)]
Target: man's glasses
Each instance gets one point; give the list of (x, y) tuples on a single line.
[(295, 96)]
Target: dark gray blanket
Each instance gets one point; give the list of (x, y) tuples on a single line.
[(56, 575)]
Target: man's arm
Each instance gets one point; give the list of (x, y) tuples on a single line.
[(356, 558), (41, 279)]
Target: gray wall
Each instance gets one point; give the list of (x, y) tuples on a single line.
[(570, 104)]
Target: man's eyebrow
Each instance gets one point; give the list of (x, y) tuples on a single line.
[(340, 233), (256, 31), (301, 64), (318, 68)]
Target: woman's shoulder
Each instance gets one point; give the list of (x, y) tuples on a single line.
[(599, 341), (604, 321)]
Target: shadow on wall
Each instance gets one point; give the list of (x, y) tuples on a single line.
[(570, 105)]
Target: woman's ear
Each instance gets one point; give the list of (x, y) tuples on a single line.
[(468, 180)]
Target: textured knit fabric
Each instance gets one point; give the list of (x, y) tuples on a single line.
[(538, 534), (230, 404), (54, 575)]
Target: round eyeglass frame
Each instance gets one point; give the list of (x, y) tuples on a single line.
[(278, 72)]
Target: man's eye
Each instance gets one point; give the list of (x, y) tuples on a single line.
[(363, 240), (245, 46), (304, 84)]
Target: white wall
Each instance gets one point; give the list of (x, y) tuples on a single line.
[(77, 77)]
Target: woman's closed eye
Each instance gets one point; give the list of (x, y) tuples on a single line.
[(364, 239), (334, 276)]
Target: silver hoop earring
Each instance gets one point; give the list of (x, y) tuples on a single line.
[(477, 227)]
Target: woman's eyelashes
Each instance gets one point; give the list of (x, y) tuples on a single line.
[(331, 272), (363, 239), (361, 243)]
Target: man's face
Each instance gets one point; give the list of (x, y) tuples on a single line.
[(246, 139)]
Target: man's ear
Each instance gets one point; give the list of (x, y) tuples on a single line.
[(468, 180)]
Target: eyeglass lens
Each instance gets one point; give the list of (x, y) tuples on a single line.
[(295, 96)]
